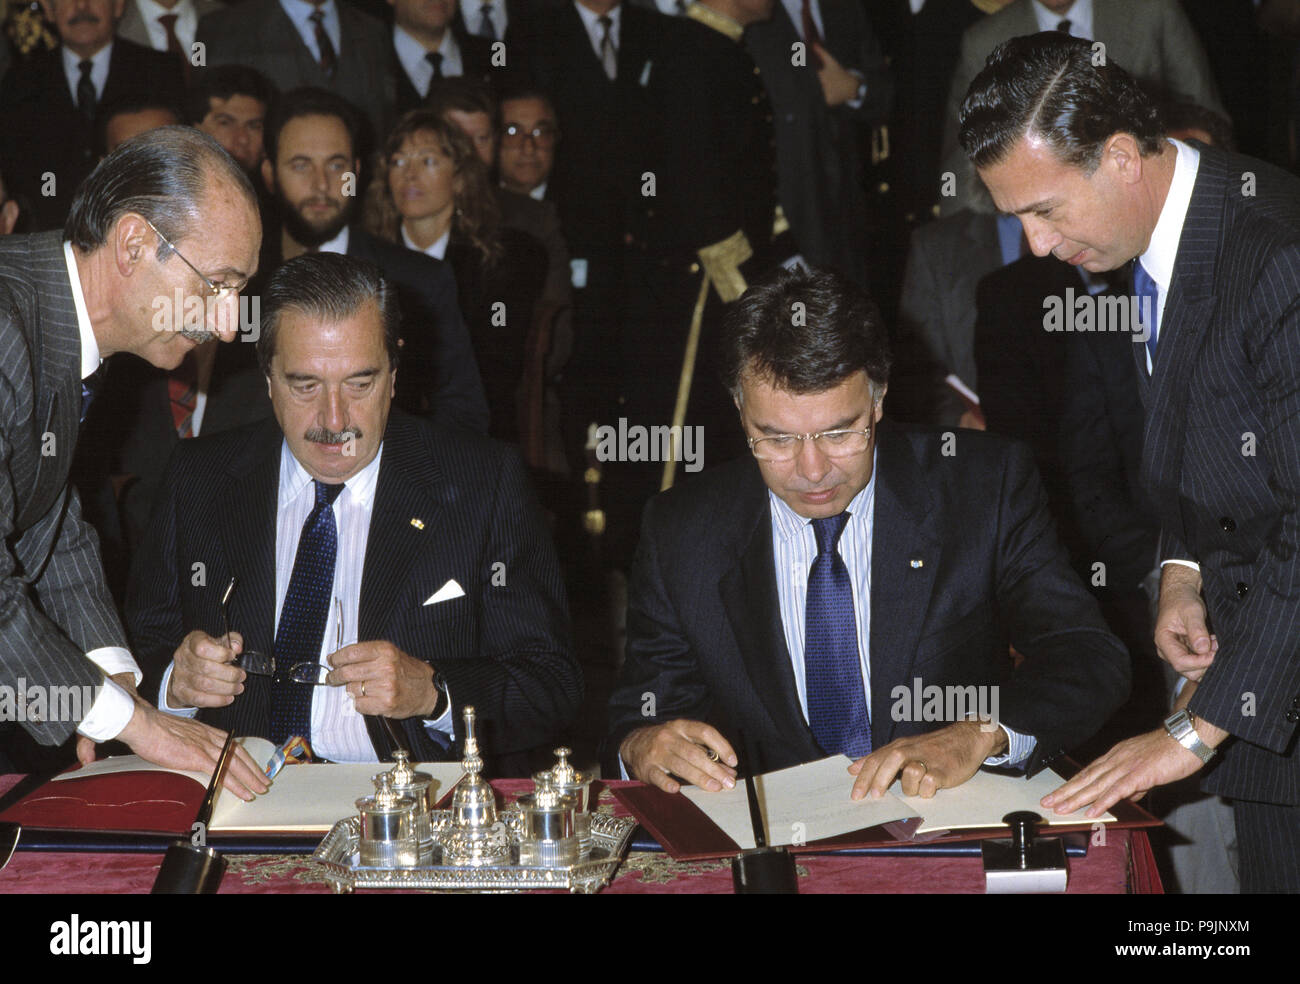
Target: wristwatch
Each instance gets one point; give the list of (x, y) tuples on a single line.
[(1182, 728), (440, 685)]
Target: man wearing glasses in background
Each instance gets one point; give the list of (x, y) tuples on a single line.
[(528, 136), (67, 301), (804, 595)]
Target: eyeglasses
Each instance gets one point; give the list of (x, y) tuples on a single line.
[(543, 134), (833, 444), (219, 291), (259, 664)]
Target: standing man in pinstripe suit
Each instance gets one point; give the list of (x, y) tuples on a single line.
[(65, 304), (1079, 153), (434, 584)]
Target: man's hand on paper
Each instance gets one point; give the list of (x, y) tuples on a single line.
[(203, 674), (657, 753), (384, 680), (1181, 636), (930, 762), (1130, 769), (182, 743)]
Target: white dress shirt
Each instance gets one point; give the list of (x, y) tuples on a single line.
[(338, 732), (437, 249), (300, 12), (113, 706), (410, 54), (339, 244), (596, 30), (187, 22), (472, 12), (1079, 16), (539, 192), (98, 72), (794, 548)]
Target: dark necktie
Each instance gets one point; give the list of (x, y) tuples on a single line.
[(434, 58), (183, 391), (303, 616), (86, 89), (89, 387), (1064, 27), (811, 36), (837, 700), (168, 22), (486, 29), (608, 53), (1148, 306), (328, 57)]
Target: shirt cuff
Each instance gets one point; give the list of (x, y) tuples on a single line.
[(1183, 563), (109, 714), (1019, 748), (113, 660), (166, 708), (444, 722), (857, 101)]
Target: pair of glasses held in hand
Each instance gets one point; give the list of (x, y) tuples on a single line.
[(260, 664)]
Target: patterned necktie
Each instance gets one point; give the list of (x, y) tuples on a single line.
[(608, 53), (811, 35), (1148, 301), (837, 700), (328, 57), (86, 89), (303, 616), (486, 29), (183, 390)]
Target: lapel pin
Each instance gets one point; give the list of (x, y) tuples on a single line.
[(917, 564), (417, 523)]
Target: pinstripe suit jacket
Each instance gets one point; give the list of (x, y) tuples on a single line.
[(54, 606), (1221, 458), (504, 647)]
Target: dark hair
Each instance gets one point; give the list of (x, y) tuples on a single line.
[(225, 81), (163, 175), (1048, 84), (308, 101), (464, 95), (329, 286), (526, 92), (805, 332), (107, 112), (1180, 115)]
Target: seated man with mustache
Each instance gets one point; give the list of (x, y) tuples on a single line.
[(387, 566)]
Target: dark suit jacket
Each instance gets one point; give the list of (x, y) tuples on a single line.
[(54, 606), (437, 368), (476, 60), (42, 132), (817, 148), (1221, 458), (704, 632), (259, 33), (504, 647)]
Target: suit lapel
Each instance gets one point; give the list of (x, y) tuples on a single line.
[(248, 531), (749, 598), (1188, 309), (900, 590), (407, 489)]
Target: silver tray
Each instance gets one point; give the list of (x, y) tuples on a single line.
[(610, 836)]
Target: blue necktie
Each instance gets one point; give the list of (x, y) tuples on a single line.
[(90, 387), (837, 700), (1148, 304), (302, 619)]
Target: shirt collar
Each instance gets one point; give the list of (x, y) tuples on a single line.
[(437, 249), (151, 11), (100, 60), (591, 21), (411, 52), (300, 11), (789, 524), (1162, 251), (1079, 16), (294, 479), (339, 244), (539, 192), (719, 22), (90, 359)]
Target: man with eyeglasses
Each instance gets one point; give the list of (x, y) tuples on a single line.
[(108, 284), (388, 568), (528, 137), (809, 595)]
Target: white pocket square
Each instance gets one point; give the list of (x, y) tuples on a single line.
[(448, 591)]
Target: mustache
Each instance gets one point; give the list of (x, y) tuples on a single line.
[(319, 435)]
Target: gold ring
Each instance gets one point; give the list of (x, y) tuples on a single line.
[(713, 756), (363, 688)]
